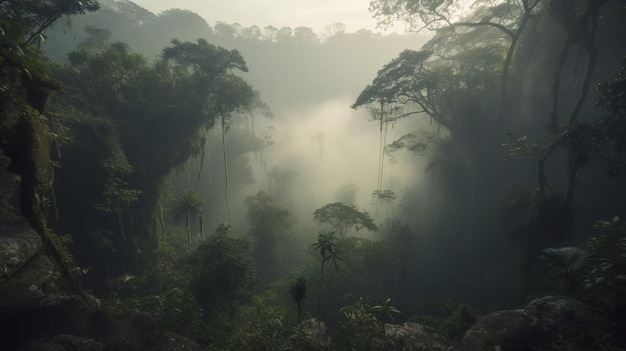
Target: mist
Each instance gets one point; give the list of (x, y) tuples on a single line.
[(168, 181), (324, 148)]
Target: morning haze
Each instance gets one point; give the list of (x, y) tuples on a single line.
[(252, 175)]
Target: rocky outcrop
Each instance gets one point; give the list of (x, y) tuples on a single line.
[(36, 315), (24, 271), (547, 323)]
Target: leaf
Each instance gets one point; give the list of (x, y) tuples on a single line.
[(565, 261)]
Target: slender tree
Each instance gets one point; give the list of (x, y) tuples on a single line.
[(189, 205), (224, 92), (328, 250)]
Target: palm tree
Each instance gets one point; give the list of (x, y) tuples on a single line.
[(329, 255), (566, 264), (189, 205), (297, 290)]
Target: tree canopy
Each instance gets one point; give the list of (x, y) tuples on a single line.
[(341, 217)]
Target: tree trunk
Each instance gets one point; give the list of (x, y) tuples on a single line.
[(225, 166)]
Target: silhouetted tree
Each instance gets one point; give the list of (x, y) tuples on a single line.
[(189, 205), (341, 217), (222, 273), (270, 226)]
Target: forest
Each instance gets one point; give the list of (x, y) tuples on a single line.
[(166, 184)]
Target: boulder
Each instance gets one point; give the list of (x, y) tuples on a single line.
[(501, 330), (415, 337), (18, 244), (316, 334), (548, 323), (35, 278)]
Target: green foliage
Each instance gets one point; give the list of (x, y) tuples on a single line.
[(36, 16), (398, 80), (19, 64), (565, 261), (262, 325), (298, 289), (384, 196), (204, 59), (385, 310), (524, 213), (116, 192), (459, 320), (521, 147), (341, 217), (605, 283), (270, 229), (175, 310), (360, 329), (328, 250), (414, 12), (414, 143), (362, 326), (448, 316), (364, 255), (595, 271), (567, 265), (222, 274), (188, 205)]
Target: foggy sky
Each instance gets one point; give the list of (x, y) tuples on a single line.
[(316, 14)]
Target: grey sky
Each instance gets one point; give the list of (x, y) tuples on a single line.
[(316, 14)]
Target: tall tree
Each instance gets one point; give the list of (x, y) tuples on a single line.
[(224, 92), (328, 250), (341, 217), (189, 205), (270, 227), (508, 17), (223, 275)]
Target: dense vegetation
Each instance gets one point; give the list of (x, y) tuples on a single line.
[(145, 160)]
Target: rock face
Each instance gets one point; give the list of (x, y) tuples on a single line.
[(24, 271), (36, 315), (547, 323)]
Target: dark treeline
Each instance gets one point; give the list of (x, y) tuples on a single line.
[(214, 176)]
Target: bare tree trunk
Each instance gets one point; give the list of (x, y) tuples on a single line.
[(225, 166)]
